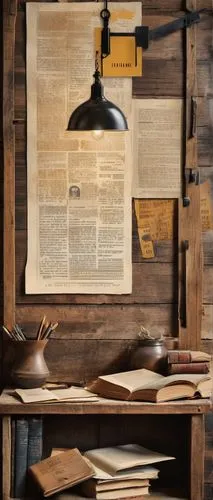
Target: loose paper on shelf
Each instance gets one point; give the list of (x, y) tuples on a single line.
[(79, 189), (157, 148)]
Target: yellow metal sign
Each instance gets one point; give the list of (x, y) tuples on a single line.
[(125, 59)]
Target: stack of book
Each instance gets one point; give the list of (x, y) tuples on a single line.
[(183, 361), (120, 472), (26, 450)]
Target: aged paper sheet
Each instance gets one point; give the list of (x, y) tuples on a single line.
[(155, 221), (206, 206), (157, 148), (79, 189)]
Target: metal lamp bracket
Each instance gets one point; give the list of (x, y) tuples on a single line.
[(143, 35)]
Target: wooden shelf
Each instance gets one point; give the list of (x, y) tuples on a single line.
[(188, 415), (8, 406)]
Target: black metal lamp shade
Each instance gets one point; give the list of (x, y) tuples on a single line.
[(97, 113)]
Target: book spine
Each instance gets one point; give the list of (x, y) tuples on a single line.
[(12, 463), (35, 441), (179, 356), (175, 368), (21, 445)]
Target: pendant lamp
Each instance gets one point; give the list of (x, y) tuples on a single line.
[(97, 113)]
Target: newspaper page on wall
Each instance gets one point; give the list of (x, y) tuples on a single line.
[(79, 188), (157, 148)]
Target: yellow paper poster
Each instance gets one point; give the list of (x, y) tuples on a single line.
[(206, 206), (155, 220), (159, 214)]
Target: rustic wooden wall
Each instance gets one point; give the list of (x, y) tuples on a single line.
[(97, 331), (85, 324)]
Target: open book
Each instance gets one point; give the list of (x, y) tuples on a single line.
[(60, 472), (145, 385), (70, 394)]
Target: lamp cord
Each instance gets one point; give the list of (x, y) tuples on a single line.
[(96, 61)]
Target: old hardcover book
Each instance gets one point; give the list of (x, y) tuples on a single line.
[(119, 494), (126, 458), (145, 385), (186, 356), (77, 496), (12, 463), (35, 441), (61, 471), (92, 487), (20, 461), (188, 368)]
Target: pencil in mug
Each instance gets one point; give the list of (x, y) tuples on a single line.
[(10, 334), (40, 328), (50, 329), (18, 329)]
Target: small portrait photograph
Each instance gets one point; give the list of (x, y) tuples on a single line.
[(74, 192)]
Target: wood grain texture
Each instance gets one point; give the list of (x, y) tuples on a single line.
[(207, 322), (197, 457), (103, 328), (9, 18), (190, 258), (6, 444), (99, 322), (9, 406), (153, 283)]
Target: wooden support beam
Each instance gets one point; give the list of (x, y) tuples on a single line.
[(6, 462), (9, 19), (190, 253), (197, 457)]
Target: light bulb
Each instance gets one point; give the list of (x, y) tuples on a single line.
[(97, 134)]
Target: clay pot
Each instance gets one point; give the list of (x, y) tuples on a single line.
[(151, 354), (29, 369)]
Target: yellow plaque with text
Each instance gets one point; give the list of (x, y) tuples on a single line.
[(125, 59)]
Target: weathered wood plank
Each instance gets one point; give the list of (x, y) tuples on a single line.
[(152, 283), (100, 322), (82, 360), (205, 147), (173, 4), (9, 18), (207, 346), (106, 407), (207, 322), (189, 236), (148, 4), (197, 457), (209, 450), (6, 462), (208, 285)]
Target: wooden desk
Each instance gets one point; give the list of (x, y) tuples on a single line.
[(191, 413)]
